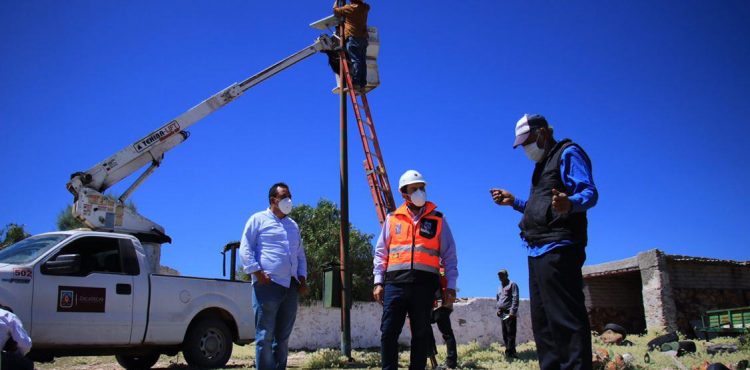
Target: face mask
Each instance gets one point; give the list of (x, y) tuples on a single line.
[(533, 152), (285, 205), (418, 198)]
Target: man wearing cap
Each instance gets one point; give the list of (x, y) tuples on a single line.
[(414, 242), (507, 311), (554, 231)]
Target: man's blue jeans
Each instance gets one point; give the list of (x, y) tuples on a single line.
[(398, 301), (275, 311), (356, 47)]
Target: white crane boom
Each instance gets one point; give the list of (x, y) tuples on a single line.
[(105, 213)]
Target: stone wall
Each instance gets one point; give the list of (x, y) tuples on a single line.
[(709, 274), (658, 303), (674, 291), (473, 319), (701, 285)]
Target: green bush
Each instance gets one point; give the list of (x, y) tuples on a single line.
[(325, 358)]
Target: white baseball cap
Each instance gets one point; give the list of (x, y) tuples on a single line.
[(525, 125)]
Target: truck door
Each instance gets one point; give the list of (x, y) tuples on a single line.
[(93, 306)]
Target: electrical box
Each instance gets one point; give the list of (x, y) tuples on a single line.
[(332, 285)]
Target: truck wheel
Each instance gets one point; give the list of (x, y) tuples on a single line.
[(136, 361), (208, 344)]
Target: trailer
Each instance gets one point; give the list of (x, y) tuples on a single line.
[(725, 322)]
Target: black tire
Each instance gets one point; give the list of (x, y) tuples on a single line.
[(617, 329), (687, 346), (658, 341), (717, 366), (208, 344), (137, 362)]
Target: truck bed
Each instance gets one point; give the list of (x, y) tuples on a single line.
[(175, 300)]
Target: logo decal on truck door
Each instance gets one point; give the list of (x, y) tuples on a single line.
[(66, 298), (80, 299)]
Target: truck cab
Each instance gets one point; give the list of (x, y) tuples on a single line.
[(85, 293)]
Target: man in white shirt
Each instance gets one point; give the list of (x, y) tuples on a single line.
[(14, 341)]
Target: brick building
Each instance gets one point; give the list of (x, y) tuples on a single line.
[(654, 290)]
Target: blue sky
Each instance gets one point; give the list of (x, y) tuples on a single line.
[(655, 92)]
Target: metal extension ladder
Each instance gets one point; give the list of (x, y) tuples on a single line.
[(377, 176)]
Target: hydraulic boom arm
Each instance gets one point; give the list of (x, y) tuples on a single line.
[(103, 213)]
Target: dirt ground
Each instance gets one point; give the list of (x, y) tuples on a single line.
[(470, 356), (242, 358)]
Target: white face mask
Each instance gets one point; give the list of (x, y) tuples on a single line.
[(285, 205), (533, 152), (418, 198)]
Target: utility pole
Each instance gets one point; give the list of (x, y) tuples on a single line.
[(346, 337)]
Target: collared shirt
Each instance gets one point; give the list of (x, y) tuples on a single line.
[(507, 298), (273, 245), (448, 256), (11, 327), (575, 168)]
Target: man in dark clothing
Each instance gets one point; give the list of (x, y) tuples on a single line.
[(441, 315), (507, 311), (554, 231), (356, 37)]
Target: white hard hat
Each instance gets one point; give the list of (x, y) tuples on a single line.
[(410, 177)]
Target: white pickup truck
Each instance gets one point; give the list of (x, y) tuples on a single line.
[(82, 293)]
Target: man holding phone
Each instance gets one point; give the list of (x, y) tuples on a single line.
[(554, 231)]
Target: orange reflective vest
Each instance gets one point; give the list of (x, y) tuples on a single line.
[(415, 246)]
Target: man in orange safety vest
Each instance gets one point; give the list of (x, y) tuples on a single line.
[(415, 239)]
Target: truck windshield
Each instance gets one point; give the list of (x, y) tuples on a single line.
[(30, 248)]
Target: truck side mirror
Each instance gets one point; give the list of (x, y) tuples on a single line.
[(64, 264)]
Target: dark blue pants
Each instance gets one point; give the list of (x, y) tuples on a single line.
[(15, 361), (400, 300), (558, 313), (356, 47), (275, 311)]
